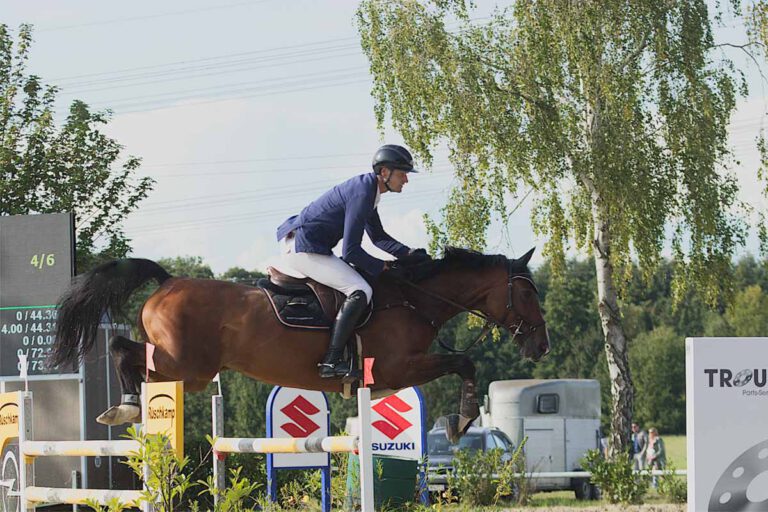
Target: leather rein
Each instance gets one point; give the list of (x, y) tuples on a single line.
[(489, 322)]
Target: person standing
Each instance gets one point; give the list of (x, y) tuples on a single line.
[(656, 455), (639, 446)]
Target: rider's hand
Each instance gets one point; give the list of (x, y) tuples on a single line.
[(393, 269), (415, 256)]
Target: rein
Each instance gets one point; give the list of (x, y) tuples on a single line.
[(489, 322)]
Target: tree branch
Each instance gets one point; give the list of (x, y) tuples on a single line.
[(643, 45), (516, 91), (743, 47)]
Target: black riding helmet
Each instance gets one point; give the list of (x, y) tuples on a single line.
[(393, 157)]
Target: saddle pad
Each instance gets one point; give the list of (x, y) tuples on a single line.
[(296, 307), (300, 307)]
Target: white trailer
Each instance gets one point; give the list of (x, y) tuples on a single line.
[(560, 418)]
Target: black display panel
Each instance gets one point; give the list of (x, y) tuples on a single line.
[(36, 266)]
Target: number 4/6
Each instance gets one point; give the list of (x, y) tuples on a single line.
[(41, 260)]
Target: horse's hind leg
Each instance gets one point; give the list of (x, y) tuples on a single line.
[(130, 363)]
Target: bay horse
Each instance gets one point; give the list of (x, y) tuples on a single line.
[(202, 326)]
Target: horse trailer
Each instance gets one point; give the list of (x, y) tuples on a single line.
[(560, 420)]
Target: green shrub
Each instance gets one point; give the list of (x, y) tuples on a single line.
[(615, 478), (235, 496), (513, 482), (156, 463), (672, 487), (482, 478)]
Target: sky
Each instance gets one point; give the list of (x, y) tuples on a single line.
[(245, 111)]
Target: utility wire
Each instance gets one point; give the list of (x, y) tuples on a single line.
[(202, 71), (150, 16), (206, 59), (251, 160), (236, 219), (238, 88), (274, 91)]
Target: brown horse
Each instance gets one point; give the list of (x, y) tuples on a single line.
[(200, 326)]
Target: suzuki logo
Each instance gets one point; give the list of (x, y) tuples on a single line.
[(389, 408), (299, 411)]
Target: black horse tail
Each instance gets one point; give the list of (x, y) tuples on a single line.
[(103, 290)]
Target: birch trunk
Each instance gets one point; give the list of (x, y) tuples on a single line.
[(622, 390)]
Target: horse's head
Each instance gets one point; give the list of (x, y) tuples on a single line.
[(503, 293), (522, 314)]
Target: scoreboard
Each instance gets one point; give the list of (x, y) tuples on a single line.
[(36, 266)]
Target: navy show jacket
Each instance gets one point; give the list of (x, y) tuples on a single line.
[(344, 212)]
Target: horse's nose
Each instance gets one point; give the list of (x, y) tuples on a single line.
[(544, 346)]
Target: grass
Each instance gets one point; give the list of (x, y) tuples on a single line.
[(676, 451), (676, 455)]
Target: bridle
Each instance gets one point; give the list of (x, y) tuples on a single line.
[(489, 322)]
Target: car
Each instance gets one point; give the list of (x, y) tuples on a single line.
[(441, 452)]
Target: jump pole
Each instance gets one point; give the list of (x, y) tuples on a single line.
[(162, 412)]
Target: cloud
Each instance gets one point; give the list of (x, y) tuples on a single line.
[(258, 255)]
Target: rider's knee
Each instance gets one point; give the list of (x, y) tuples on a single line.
[(362, 287)]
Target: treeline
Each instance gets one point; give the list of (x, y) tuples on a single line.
[(656, 329)]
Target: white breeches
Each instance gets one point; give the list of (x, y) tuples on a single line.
[(329, 270)]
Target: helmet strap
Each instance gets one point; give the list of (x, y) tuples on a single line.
[(386, 181)]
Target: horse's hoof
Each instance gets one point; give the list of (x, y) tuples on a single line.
[(119, 414), (456, 426), (452, 431)]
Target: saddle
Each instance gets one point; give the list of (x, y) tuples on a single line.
[(304, 303)]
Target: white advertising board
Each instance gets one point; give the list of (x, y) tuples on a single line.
[(727, 423), (297, 413), (397, 425)]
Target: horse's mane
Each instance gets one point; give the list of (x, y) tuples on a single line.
[(457, 258)]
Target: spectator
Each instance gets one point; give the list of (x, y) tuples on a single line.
[(639, 446), (603, 442), (656, 455)]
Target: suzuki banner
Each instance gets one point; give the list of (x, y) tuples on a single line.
[(297, 413), (397, 424), (727, 423)]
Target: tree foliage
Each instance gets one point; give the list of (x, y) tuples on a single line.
[(748, 313), (51, 168), (615, 113), (511, 96), (658, 363)]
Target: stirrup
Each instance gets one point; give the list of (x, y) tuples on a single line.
[(336, 369), (354, 375)]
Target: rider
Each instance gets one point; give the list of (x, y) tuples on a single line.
[(344, 212)]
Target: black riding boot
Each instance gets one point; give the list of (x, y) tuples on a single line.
[(333, 364)]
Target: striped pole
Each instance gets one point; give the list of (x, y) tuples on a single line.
[(41, 495), (333, 444), (219, 464), (365, 445), (33, 449)]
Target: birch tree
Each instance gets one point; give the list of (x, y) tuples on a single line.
[(614, 113)]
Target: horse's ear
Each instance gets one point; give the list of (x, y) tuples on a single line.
[(525, 258)]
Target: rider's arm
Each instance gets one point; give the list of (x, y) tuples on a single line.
[(357, 211), (381, 238)]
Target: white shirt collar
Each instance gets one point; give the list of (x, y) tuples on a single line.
[(378, 196)]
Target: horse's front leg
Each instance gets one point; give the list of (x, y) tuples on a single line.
[(428, 367)]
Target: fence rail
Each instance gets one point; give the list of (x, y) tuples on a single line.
[(438, 478)]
